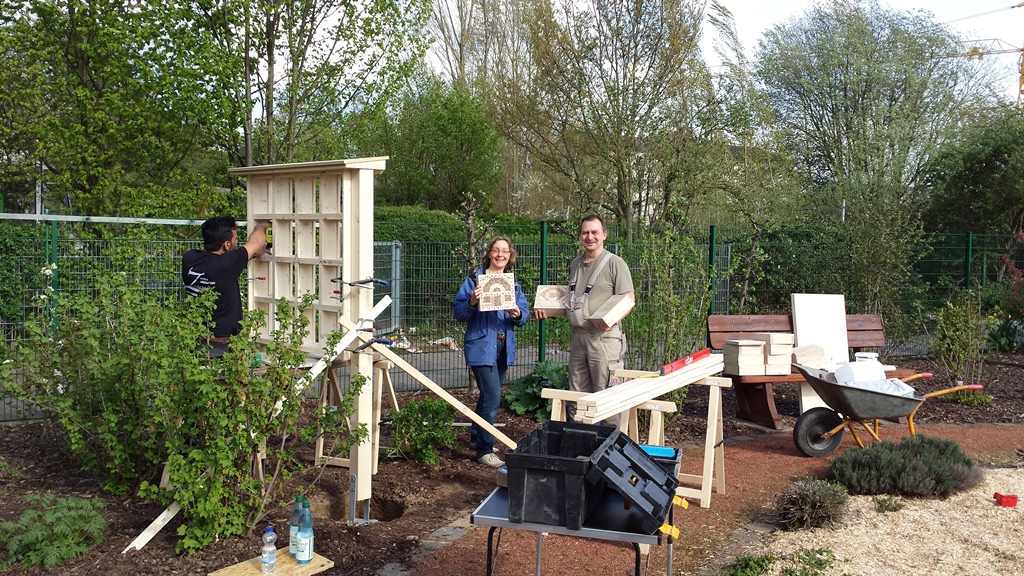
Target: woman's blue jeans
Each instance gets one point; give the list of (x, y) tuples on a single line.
[(489, 380)]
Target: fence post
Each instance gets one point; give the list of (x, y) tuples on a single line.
[(542, 329), (51, 260), (713, 264), (968, 256)]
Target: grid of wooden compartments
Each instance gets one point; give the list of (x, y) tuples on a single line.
[(322, 223)]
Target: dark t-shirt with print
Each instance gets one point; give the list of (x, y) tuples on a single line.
[(201, 269)]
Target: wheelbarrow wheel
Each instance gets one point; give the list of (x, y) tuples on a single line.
[(807, 433)]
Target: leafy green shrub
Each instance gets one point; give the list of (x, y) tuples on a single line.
[(523, 394), (887, 503), (127, 390), (749, 566), (670, 320), (919, 466), (421, 426), (1003, 333), (8, 471), (959, 339), (1012, 291), (52, 531), (811, 503)]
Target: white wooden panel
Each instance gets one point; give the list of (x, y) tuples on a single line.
[(257, 192), (330, 194), (281, 195), (305, 238), (305, 198), (820, 319)]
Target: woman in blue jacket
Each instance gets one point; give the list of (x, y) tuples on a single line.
[(490, 342)]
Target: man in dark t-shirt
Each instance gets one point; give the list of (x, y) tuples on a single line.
[(218, 266)]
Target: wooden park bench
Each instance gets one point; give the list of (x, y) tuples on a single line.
[(755, 395)]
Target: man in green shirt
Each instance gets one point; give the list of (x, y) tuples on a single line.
[(594, 277)]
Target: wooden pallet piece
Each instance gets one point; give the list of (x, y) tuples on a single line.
[(286, 566)]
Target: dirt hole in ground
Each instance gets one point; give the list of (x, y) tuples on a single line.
[(383, 507)]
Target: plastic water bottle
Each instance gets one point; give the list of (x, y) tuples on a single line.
[(268, 562), (304, 545), (293, 526)]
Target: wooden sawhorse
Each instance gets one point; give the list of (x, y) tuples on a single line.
[(629, 425), (331, 395)]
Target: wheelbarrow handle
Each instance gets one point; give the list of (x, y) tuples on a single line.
[(954, 389), (916, 376)]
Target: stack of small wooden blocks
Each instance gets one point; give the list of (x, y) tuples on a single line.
[(778, 352), (765, 353)]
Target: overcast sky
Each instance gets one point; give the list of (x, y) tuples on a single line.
[(974, 19)]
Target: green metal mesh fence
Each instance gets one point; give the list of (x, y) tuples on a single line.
[(425, 275)]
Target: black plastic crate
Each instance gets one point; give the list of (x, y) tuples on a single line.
[(647, 485), (547, 474), (667, 457)]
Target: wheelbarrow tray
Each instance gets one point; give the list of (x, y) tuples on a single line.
[(858, 403)]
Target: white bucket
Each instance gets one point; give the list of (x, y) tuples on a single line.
[(865, 356)]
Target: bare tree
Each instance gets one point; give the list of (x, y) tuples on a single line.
[(612, 92), (319, 60)]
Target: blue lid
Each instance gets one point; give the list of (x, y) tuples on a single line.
[(659, 451)]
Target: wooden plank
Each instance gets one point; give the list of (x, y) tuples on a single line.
[(286, 566), (650, 389), (750, 323), (154, 527), (865, 339), (422, 379), (375, 163), (656, 430), (628, 390), (864, 322), (638, 386)]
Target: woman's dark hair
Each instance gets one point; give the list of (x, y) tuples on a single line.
[(486, 262)]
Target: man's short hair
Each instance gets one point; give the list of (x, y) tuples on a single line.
[(591, 217), (217, 231)]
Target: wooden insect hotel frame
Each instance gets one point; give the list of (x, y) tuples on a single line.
[(321, 216)]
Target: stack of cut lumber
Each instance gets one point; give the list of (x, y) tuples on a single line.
[(598, 406), (744, 357), (778, 352), (810, 355)]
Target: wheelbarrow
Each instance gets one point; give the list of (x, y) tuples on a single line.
[(819, 431)]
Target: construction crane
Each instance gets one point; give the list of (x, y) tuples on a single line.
[(990, 46), (995, 46)]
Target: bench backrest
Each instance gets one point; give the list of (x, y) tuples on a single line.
[(862, 330)]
